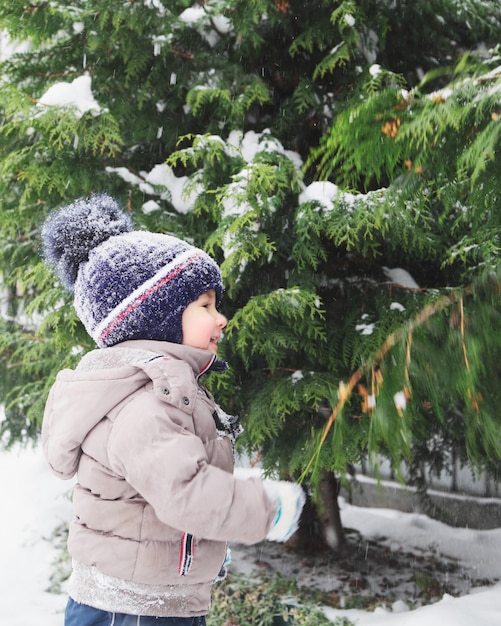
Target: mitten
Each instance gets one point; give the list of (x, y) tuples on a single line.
[(289, 499)]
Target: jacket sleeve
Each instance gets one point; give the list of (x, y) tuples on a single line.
[(168, 466)]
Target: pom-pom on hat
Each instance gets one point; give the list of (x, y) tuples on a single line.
[(127, 284)]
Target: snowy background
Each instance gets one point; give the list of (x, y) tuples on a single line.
[(35, 504)]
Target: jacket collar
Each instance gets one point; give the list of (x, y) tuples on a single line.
[(199, 360)]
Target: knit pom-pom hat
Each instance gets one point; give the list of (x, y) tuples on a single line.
[(127, 284)]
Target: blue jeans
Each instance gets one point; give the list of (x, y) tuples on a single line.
[(83, 615)]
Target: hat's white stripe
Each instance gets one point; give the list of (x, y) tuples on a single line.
[(150, 286)]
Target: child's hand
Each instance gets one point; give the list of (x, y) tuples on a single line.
[(289, 498)]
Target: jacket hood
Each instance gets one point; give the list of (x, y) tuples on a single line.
[(81, 398)]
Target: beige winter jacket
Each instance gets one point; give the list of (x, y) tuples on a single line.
[(156, 500)]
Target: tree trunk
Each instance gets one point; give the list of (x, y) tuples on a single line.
[(309, 537), (334, 531), (316, 533)]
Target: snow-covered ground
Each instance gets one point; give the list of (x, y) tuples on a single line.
[(34, 504)]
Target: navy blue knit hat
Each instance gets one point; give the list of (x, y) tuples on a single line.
[(127, 284)]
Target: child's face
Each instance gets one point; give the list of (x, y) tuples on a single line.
[(202, 323)]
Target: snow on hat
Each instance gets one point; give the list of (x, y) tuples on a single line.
[(127, 284)]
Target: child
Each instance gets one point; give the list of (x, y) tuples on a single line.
[(156, 499)]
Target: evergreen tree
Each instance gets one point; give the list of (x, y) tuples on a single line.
[(319, 146)]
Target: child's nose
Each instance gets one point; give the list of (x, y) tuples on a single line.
[(221, 320)]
